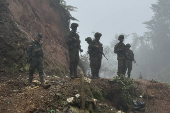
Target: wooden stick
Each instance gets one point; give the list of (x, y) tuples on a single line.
[(82, 90)]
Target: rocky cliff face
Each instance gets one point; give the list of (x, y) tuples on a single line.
[(26, 18)]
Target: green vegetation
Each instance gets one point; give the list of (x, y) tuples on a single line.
[(128, 89), (98, 95), (65, 9), (68, 9)]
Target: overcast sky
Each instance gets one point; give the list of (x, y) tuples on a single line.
[(111, 17)]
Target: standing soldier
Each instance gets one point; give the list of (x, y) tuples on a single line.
[(119, 49), (96, 55), (73, 42), (129, 59), (89, 41), (35, 54)]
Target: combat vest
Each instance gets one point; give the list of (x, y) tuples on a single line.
[(129, 54), (73, 44), (119, 49), (37, 50), (97, 51)]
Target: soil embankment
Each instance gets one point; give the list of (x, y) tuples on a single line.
[(16, 96), (20, 21)]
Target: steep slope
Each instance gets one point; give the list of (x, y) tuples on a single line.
[(33, 16), (12, 42)]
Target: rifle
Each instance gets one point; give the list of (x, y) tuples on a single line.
[(135, 62), (104, 56)]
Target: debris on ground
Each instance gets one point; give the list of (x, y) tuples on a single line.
[(101, 95), (139, 105)]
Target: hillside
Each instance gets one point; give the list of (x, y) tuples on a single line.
[(20, 21)]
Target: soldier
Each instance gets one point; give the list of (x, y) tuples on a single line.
[(35, 54), (119, 49), (129, 59), (96, 55), (89, 41), (73, 42)]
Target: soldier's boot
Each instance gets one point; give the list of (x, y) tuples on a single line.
[(129, 73), (75, 73), (119, 74), (128, 76), (93, 74), (30, 79), (97, 74), (71, 71), (42, 80), (71, 74), (42, 83)]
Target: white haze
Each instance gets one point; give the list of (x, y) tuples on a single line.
[(111, 17)]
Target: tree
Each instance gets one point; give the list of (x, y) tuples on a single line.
[(152, 49)]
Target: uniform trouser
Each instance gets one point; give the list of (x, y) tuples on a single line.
[(95, 64), (36, 63), (74, 59), (121, 67), (129, 67)]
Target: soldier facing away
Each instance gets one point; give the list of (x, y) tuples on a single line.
[(36, 55), (73, 42), (119, 49), (96, 49), (129, 59)]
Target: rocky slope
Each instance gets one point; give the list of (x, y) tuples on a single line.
[(20, 21), (17, 97)]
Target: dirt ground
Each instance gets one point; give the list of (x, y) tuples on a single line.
[(17, 97)]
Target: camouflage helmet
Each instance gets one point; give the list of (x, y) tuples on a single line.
[(121, 37), (39, 35), (88, 39), (73, 25), (97, 34), (128, 45)]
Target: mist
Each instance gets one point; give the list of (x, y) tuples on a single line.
[(145, 24)]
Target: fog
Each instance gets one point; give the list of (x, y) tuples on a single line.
[(111, 17), (146, 26)]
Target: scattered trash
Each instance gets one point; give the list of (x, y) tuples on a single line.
[(139, 105), (77, 95), (52, 111), (120, 112), (88, 80), (70, 100), (56, 77)]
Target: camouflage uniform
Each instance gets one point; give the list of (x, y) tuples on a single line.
[(73, 42), (129, 59), (96, 56), (119, 49), (89, 41), (35, 54)]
